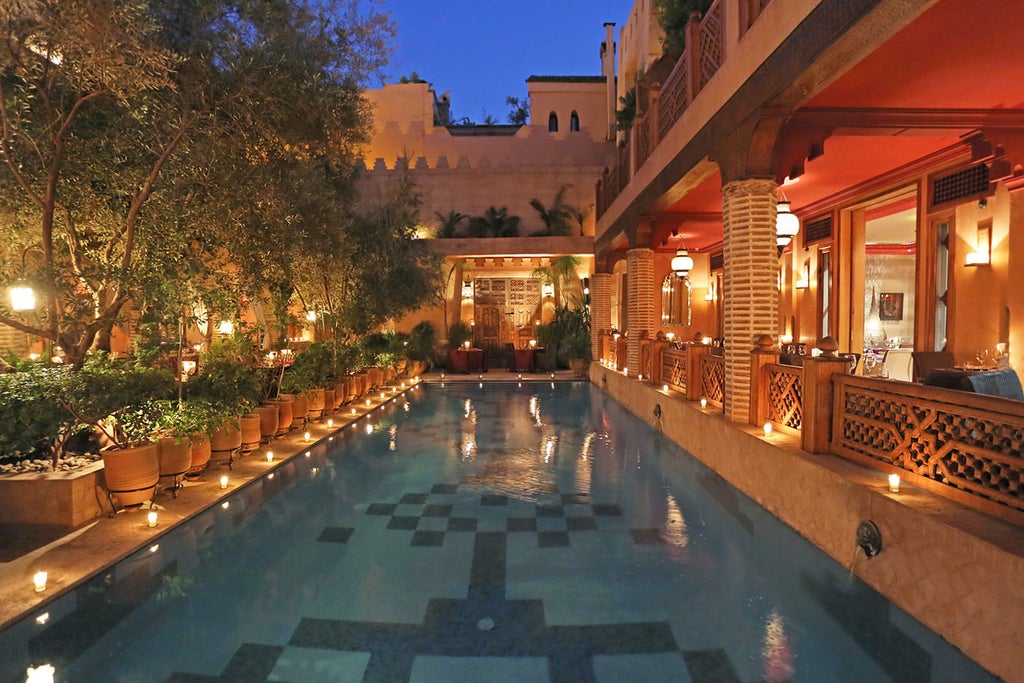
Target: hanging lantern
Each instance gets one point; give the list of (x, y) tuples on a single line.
[(23, 298), (787, 225), (682, 264), (547, 290), (467, 290)]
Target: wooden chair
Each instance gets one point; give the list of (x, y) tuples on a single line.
[(899, 364), (926, 361)]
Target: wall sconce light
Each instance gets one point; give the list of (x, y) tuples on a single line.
[(467, 290), (226, 327), (23, 298), (982, 254), (801, 283)]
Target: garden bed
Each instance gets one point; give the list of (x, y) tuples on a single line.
[(66, 499)]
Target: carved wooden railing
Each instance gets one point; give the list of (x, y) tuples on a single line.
[(784, 389), (704, 54), (673, 368), (712, 379), (961, 445)]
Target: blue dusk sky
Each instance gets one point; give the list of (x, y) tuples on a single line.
[(483, 51)]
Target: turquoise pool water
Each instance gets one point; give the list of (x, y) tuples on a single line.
[(491, 532)]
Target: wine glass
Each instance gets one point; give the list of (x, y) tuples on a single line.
[(982, 357), (869, 363)]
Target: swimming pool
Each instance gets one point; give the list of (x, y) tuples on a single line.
[(484, 532)]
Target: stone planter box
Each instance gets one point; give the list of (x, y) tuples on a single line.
[(64, 499)]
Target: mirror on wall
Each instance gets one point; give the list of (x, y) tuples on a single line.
[(675, 300)]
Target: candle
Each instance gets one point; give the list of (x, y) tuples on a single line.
[(767, 429), (270, 456), (306, 436), (224, 482), (330, 424), (703, 403), (894, 483), (151, 518), (39, 581)]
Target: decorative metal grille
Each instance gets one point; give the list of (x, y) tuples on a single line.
[(785, 384), (712, 379), (718, 261), (673, 368), (969, 442), (970, 182), (711, 41)]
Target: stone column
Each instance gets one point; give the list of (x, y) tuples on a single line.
[(640, 274), (600, 310), (751, 282)]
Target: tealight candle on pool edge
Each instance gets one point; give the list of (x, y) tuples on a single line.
[(39, 581), (224, 482), (151, 518), (894, 483), (767, 429), (270, 456)]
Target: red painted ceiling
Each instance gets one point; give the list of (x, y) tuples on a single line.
[(959, 54)]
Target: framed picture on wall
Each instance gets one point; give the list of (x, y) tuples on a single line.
[(890, 306)]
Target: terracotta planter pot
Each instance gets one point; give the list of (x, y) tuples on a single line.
[(175, 458), (389, 375), (131, 475), (579, 366), (268, 413), (341, 391), (362, 384), (376, 376), (417, 368), (225, 441), (315, 404), (330, 400), (249, 425), (285, 405), (200, 453), (300, 406), (403, 365)]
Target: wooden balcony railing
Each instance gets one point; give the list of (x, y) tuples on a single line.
[(964, 446), (704, 54), (712, 380)]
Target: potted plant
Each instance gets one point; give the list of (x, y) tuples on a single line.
[(231, 383), (121, 402), (420, 348), (183, 442)]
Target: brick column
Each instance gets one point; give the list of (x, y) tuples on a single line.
[(600, 310), (640, 274), (751, 282)]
